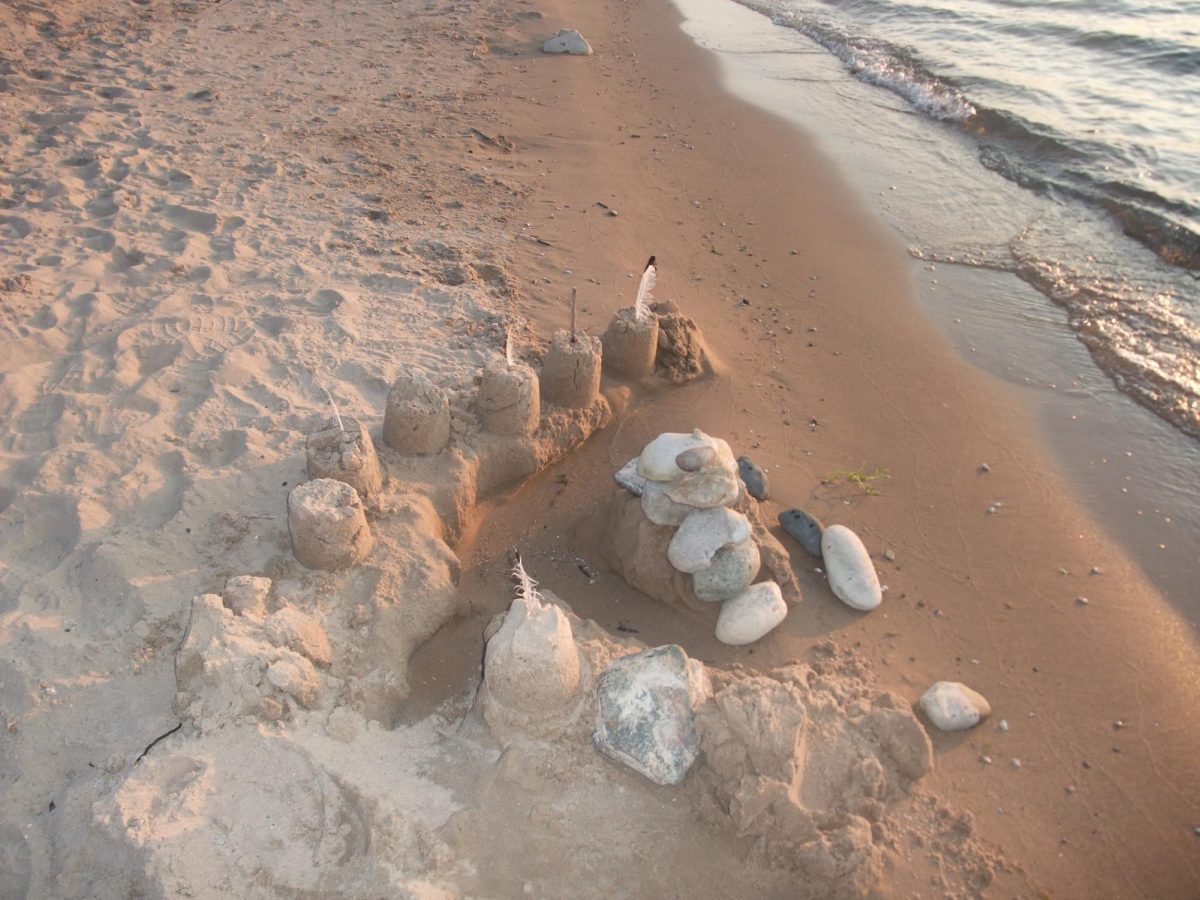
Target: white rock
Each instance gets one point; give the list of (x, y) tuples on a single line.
[(657, 460), (702, 534), (732, 571), (751, 615), (568, 41), (954, 707), (659, 508), (851, 574), (627, 477)]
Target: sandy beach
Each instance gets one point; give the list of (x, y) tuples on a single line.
[(220, 219)]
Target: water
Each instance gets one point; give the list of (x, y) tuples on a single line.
[(1093, 108), (988, 254)]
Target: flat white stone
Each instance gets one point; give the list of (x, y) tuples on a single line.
[(659, 508), (702, 534), (751, 615), (732, 571), (568, 41), (704, 489), (848, 566), (657, 460), (952, 706)]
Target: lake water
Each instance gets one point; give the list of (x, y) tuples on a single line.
[(1042, 163)]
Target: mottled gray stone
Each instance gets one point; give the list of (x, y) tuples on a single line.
[(732, 571), (754, 478), (806, 529), (644, 715)]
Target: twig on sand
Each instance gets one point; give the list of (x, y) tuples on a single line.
[(574, 311)]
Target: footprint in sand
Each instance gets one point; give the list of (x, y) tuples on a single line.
[(185, 345), (101, 207), (14, 227), (191, 219), (96, 239), (40, 534)]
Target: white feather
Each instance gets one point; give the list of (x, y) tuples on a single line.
[(645, 289), (336, 415), (526, 586)]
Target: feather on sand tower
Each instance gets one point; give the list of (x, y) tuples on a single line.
[(631, 341), (531, 668)]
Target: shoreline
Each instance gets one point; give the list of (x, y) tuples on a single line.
[(995, 580), (1125, 461)]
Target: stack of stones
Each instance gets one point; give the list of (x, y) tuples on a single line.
[(690, 482)]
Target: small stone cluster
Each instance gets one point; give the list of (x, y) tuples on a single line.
[(691, 482), (948, 705)]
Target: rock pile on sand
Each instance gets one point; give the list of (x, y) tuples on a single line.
[(688, 533)]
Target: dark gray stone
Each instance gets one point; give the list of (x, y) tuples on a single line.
[(754, 478), (806, 529), (644, 714)]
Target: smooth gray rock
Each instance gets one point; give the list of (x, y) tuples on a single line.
[(568, 41), (696, 459), (755, 479), (627, 477), (732, 571), (952, 706), (644, 715), (806, 529)]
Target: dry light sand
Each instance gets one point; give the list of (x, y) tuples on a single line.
[(212, 212)]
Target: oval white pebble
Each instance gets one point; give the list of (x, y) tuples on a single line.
[(952, 706), (751, 615), (851, 574)]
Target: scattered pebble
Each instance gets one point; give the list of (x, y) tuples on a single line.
[(755, 479), (1002, 725), (1016, 763), (952, 706), (889, 554), (806, 529), (1082, 601), (984, 467)]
